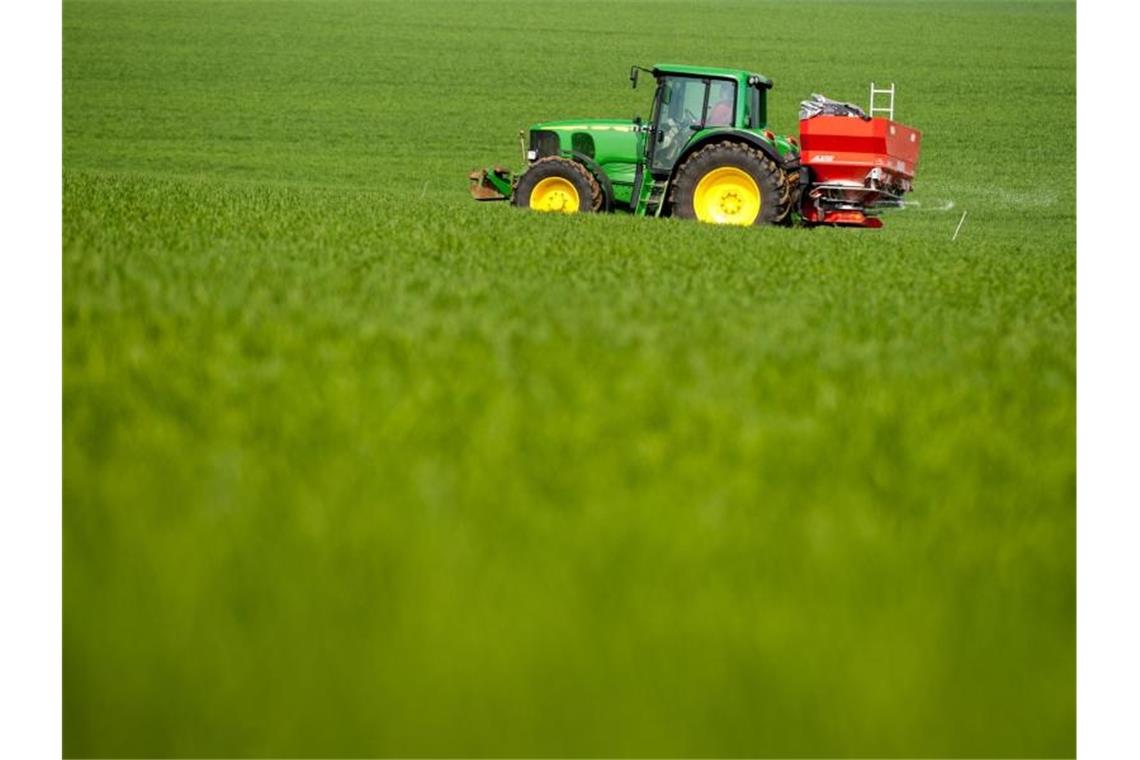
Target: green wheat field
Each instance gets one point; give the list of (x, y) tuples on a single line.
[(355, 466)]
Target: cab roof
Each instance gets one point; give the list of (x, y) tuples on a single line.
[(709, 71)]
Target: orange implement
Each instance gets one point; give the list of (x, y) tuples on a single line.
[(846, 149), (855, 166)]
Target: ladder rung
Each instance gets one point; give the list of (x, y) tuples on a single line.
[(888, 109)]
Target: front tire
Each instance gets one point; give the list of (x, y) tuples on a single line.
[(731, 183), (556, 184)]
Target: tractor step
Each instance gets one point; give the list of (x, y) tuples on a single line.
[(652, 199), (656, 200)]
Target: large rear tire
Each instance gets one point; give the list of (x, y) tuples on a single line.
[(731, 183), (560, 185)]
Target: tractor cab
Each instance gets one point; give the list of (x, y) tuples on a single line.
[(691, 100)]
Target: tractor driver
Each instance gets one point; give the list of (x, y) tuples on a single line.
[(720, 104)]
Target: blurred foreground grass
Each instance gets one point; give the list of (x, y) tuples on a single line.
[(356, 467)]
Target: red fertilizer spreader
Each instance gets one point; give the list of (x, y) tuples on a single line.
[(853, 166)]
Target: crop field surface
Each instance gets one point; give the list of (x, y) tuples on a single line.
[(356, 466)]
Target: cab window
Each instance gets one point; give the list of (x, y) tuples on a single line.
[(722, 103), (757, 113)]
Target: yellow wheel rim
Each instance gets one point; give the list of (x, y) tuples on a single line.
[(727, 196), (554, 194)]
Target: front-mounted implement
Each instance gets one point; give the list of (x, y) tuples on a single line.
[(495, 184), (707, 153)]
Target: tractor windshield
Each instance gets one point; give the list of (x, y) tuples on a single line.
[(685, 105)]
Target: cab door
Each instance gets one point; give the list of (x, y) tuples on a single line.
[(683, 107), (678, 108)]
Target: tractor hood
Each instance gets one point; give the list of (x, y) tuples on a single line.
[(586, 125), (606, 141)]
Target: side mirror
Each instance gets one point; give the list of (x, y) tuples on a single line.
[(633, 76)]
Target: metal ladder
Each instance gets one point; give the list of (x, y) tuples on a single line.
[(656, 201), (889, 108), (648, 196)]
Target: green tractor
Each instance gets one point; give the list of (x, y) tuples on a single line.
[(706, 153)]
